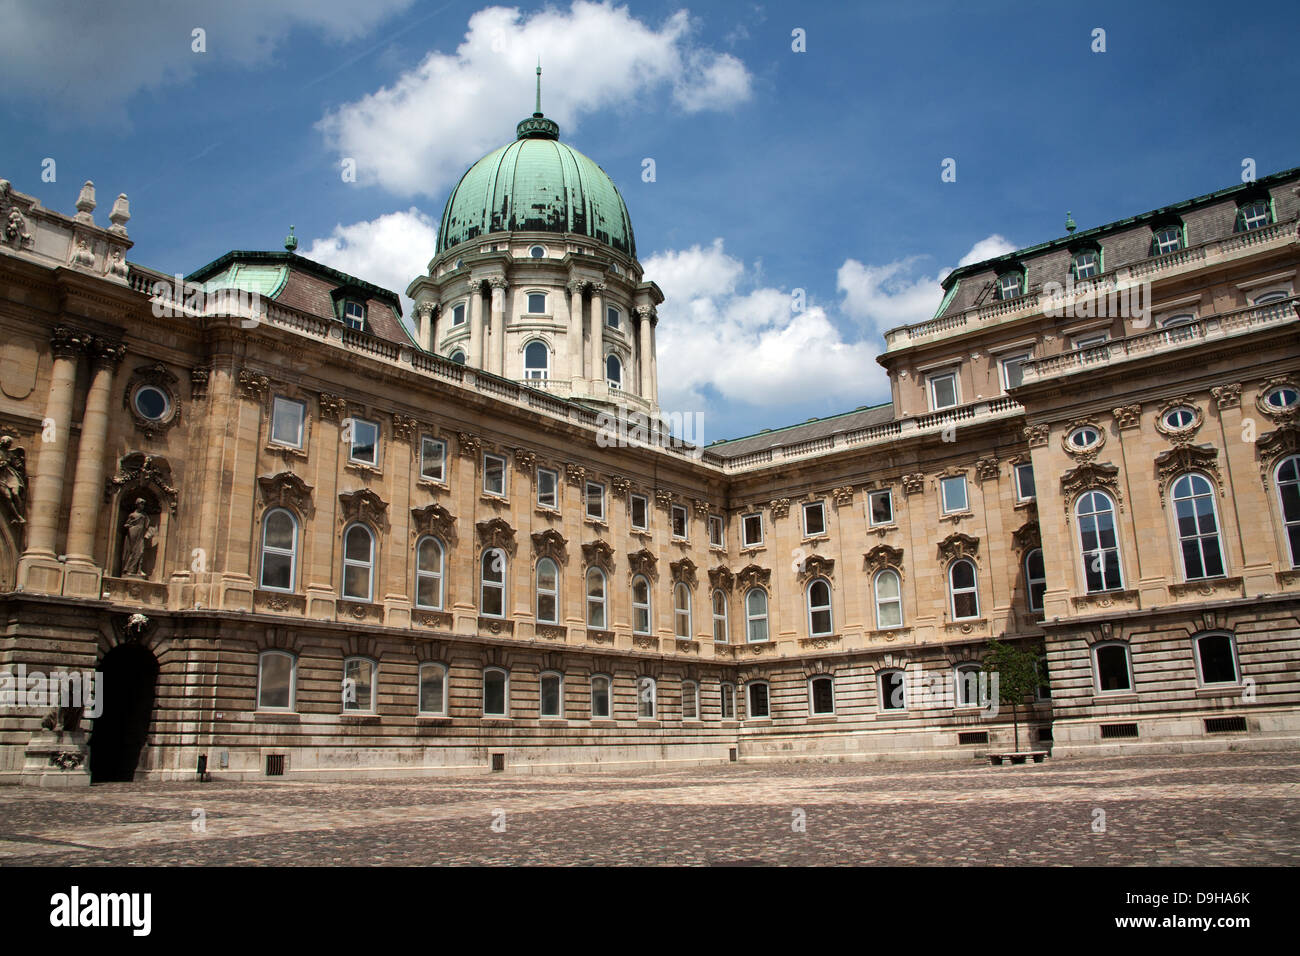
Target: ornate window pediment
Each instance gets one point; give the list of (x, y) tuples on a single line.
[(1277, 413), (550, 544), (643, 562), (816, 566), (598, 554), (752, 575), (145, 384), (138, 469), (683, 572), (1183, 458), (1183, 434), (721, 577), (434, 519), (1027, 536), (1090, 474), (958, 545), (1276, 445), (286, 490), (883, 556), (496, 533), (363, 505)]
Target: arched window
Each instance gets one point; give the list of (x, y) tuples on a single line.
[(359, 680), (1198, 527), (1011, 284), (645, 698), (600, 697), (433, 689), (1035, 579), (537, 360), (358, 563), (1180, 326), (962, 590), (1166, 239), (640, 605), (458, 356), (755, 615), (892, 688), (279, 550), (721, 632), (1216, 659), (690, 700), (1111, 667), (819, 608), (967, 680), (759, 699), (614, 371), (1099, 544), (1253, 215), (492, 583), (551, 692), (682, 611), (1268, 298), (277, 680), (1288, 491), (821, 696), (889, 599), (548, 592), (496, 692), (727, 693), (596, 598), (428, 573)]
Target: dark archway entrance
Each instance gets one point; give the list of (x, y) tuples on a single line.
[(128, 675)]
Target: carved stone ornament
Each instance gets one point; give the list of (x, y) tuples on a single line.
[(664, 497), (1026, 537), (780, 507), (1227, 396), (816, 566), (138, 469), (1277, 414), (158, 377), (1090, 475), (913, 483), (643, 562), (752, 575), (986, 468), (525, 460), (842, 496), (620, 485), (332, 408), (496, 533), (1036, 435), (683, 572), (13, 480), (403, 427), (958, 545), (1184, 435), (598, 554), (254, 385), (468, 445), (1083, 454), (69, 343), (701, 508), (550, 544), (1183, 458), (1273, 446), (12, 220), (882, 556), (1127, 416), (285, 490), (721, 577), (199, 382), (363, 505), (576, 475), (436, 520)]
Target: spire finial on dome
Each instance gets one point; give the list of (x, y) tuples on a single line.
[(537, 126), (538, 112), (291, 241)]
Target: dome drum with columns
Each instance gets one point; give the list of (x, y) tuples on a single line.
[(536, 277)]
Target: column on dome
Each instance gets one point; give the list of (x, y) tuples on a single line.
[(52, 461), (497, 343), (643, 314), (426, 314), (576, 350), (597, 332), (654, 361), (88, 480), (475, 324)]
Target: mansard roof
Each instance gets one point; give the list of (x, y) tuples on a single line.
[(864, 417)]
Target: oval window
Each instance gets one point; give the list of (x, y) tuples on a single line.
[(152, 403), (1179, 418), (537, 252), (1084, 437), (1282, 397)]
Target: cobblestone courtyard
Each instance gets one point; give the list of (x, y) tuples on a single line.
[(1223, 809)]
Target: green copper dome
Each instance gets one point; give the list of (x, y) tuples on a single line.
[(536, 184)]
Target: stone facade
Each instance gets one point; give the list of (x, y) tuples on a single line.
[(244, 518)]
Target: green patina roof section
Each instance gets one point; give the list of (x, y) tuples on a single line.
[(537, 185), (265, 280)]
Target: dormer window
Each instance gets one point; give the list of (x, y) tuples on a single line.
[(1086, 264), (1011, 284), (1253, 215), (354, 315), (1166, 239)]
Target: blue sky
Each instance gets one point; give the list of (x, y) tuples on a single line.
[(775, 170)]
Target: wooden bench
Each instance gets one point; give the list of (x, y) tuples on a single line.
[(1038, 756)]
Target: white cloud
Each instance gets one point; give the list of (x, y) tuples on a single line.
[(389, 251), (88, 57), (418, 135), (988, 248), (748, 344)]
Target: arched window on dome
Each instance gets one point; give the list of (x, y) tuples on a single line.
[(614, 371), (537, 360), (458, 356)]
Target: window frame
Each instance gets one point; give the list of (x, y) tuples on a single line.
[(723, 618), (539, 592), (674, 513), (814, 609), (369, 564), (820, 507), (720, 540), (882, 698), (1019, 357), (558, 677), (1079, 517), (439, 575), (425, 442), (1020, 484), (555, 488), (420, 680), (1199, 536), (1031, 582), (373, 461), (960, 686), (680, 590), (751, 618), (1096, 667), (1290, 526), (608, 695), (276, 404), (1243, 223), (616, 314), (644, 502), (1019, 276), (727, 700), (612, 381), (750, 687), (600, 601), (528, 303), (1076, 269), (291, 552), (491, 456), (932, 379), (1200, 660), (293, 681), (504, 713), (745, 540), (888, 494), (1179, 239), (348, 316), (642, 605), (954, 591), (875, 597), (458, 313), (643, 681), (943, 494), (813, 680), (544, 369), (599, 488), (484, 585), (372, 705)]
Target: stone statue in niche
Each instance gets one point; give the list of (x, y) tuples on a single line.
[(138, 532), (13, 479)]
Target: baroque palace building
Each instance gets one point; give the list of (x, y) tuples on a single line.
[(296, 539)]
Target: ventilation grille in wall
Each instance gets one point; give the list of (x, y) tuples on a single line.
[(275, 765), (1109, 731), (498, 761), (973, 737), (1225, 725)]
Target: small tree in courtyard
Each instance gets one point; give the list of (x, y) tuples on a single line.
[(1018, 675)]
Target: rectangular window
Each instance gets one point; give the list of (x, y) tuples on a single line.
[(458, 315), (716, 538), (822, 694), (1009, 285), (365, 441), (758, 700), (880, 507), (640, 512), (551, 695), (1091, 340), (954, 494), (433, 459), (354, 315), (596, 500), (611, 317), (1013, 371), (494, 475), (943, 391), (286, 422), (548, 483), (752, 530), (814, 519), (679, 521), (728, 702), (1025, 481)]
